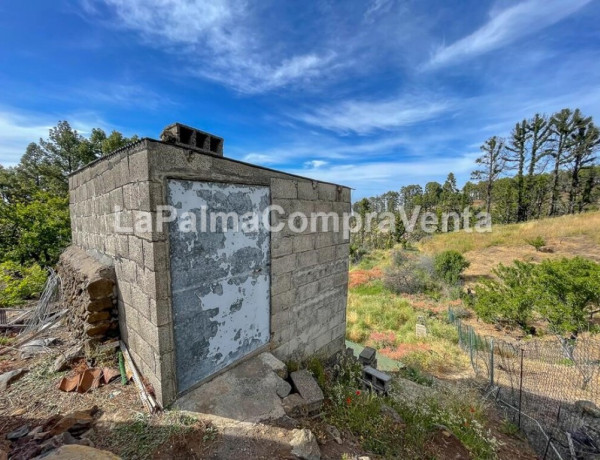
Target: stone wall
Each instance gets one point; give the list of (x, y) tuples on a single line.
[(89, 291), (309, 271)]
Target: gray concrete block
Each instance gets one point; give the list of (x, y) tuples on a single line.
[(323, 240), (307, 259), (139, 169), (282, 301), (306, 386), (303, 243), (308, 190), (136, 251), (281, 246), (285, 264), (281, 283), (160, 311), (327, 192), (327, 254), (283, 188), (345, 195)]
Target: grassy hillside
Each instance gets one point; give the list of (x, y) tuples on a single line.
[(584, 227), (566, 236)]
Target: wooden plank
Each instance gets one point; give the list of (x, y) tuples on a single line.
[(147, 399)]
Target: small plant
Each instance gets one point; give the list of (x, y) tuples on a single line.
[(509, 428), (415, 375), (449, 266), (538, 242), (210, 433)]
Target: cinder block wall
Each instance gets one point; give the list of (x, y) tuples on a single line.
[(309, 271)]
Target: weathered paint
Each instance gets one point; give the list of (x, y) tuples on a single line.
[(219, 280)]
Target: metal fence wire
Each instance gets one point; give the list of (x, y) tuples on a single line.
[(549, 387)]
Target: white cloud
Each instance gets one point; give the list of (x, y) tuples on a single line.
[(363, 116), (506, 26), (221, 40), (314, 164)]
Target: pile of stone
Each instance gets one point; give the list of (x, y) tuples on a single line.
[(71, 429), (306, 398), (88, 290)]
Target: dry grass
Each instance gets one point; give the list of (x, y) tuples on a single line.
[(584, 226), (566, 236)]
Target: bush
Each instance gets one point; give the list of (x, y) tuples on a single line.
[(449, 266), (538, 242), (357, 253), (19, 284), (410, 274), (565, 292)]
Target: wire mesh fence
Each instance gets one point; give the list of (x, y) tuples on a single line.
[(549, 387)]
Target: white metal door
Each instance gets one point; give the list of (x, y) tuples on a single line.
[(220, 277)]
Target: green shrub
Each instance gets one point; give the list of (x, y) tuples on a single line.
[(19, 284), (449, 266), (538, 242), (410, 275), (565, 292)]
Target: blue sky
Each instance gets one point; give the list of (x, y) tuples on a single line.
[(374, 94)]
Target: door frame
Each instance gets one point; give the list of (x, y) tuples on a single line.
[(263, 348)]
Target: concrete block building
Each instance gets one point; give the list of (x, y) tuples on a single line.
[(196, 298)]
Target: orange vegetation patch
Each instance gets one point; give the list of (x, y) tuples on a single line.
[(360, 277), (404, 349)]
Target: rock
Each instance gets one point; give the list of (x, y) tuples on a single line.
[(19, 433), (334, 433), (276, 365), (283, 388), (309, 389), (64, 360), (9, 377), (77, 452), (294, 405), (588, 408), (391, 413), (75, 423), (304, 445)]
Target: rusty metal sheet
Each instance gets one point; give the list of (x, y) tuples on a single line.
[(220, 280)]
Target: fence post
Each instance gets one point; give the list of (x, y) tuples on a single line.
[(492, 361), (521, 387), (470, 329)]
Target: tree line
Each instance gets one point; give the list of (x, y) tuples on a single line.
[(546, 167)]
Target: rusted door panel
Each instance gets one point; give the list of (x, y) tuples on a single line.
[(220, 280)]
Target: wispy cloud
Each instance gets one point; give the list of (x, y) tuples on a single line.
[(364, 116), (118, 94), (507, 26), (221, 40)]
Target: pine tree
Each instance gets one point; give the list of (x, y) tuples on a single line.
[(492, 165)]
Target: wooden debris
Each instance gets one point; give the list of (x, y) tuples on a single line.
[(147, 399)]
